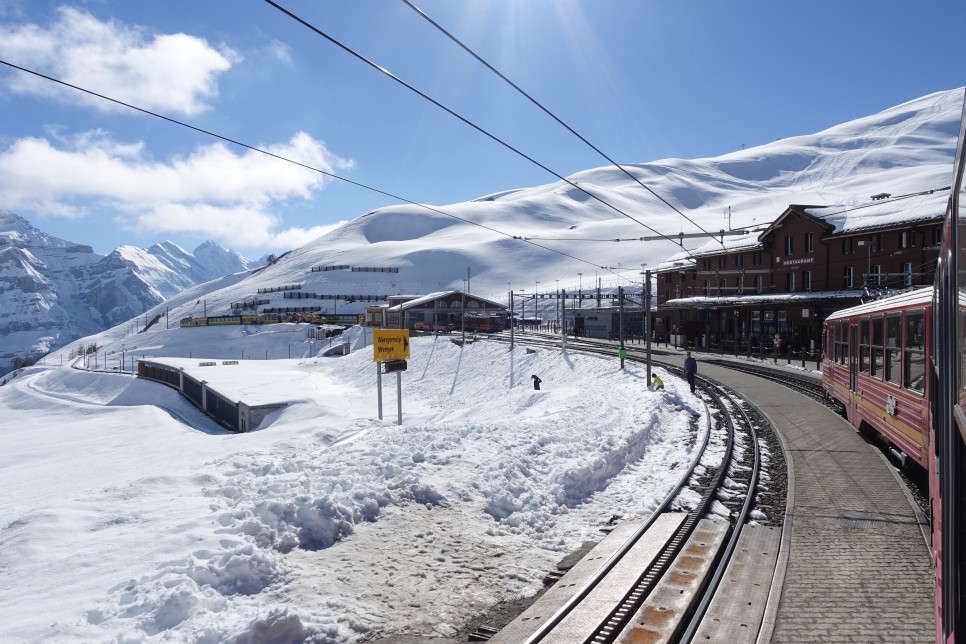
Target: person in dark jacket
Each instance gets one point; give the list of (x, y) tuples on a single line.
[(690, 370), (536, 382)]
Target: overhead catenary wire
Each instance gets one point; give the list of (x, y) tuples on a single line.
[(292, 161), (551, 114), (481, 130)]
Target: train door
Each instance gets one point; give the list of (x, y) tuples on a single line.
[(853, 356)]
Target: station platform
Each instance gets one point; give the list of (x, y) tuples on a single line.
[(854, 564)]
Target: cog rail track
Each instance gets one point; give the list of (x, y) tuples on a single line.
[(688, 556)]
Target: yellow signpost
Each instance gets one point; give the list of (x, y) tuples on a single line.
[(390, 349), (390, 344)]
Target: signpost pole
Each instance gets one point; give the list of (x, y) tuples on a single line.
[(399, 397), (379, 387)]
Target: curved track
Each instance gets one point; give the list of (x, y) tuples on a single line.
[(726, 480)]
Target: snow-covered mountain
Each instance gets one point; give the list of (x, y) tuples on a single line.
[(534, 239), (557, 235), (53, 291)]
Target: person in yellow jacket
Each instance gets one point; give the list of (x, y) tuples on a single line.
[(657, 382)]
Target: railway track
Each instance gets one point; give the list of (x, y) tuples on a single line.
[(655, 579)]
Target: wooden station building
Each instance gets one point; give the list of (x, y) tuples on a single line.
[(786, 279)]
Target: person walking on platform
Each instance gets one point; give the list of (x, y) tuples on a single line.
[(536, 382), (658, 383), (690, 370)]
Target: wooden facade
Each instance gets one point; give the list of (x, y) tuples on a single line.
[(788, 279)]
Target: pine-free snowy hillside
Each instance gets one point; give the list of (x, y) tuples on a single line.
[(904, 149)]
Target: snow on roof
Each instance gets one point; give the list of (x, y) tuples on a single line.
[(728, 244), (920, 296), (737, 300), (426, 299), (679, 261), (884, 213)]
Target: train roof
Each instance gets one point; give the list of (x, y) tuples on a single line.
[(918, 297)]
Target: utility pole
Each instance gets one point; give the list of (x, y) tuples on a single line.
[(559, 321), (537, 326), (512, 320), (620, 301), (563, 324), (580, 289), (647, 319)]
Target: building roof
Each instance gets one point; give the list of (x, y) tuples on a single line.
[(839, 219), (885, 213), (761, 298), (919, 296), (423, 300)]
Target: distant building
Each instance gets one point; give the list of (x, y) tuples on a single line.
[(376, 315), (811, 261), (607, 322), (442, 308)]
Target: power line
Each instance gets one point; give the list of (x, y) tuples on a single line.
[(292, 161), (549, 113), (493, 137)]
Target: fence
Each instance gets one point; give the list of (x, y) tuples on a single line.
[(276, 289), (236, 416)]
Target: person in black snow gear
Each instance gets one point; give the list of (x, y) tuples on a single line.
[(536, 382), (690, 370)]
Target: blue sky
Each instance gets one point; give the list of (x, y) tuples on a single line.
[(641, 79)]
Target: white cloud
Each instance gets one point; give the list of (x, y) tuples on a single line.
[(171, 73), (297, 237), (280, 51), (239, 226), (213, 192)]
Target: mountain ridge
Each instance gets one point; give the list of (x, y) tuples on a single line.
[(554, 235), (53, 291)]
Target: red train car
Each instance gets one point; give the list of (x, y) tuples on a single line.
[(898, 366), (876, 358), (483, 323), (947, 466)]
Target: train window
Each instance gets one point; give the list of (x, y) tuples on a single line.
[(833, 340), (843, 340), (864, 346), (914, 356), (876, 347), (893, 350)]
